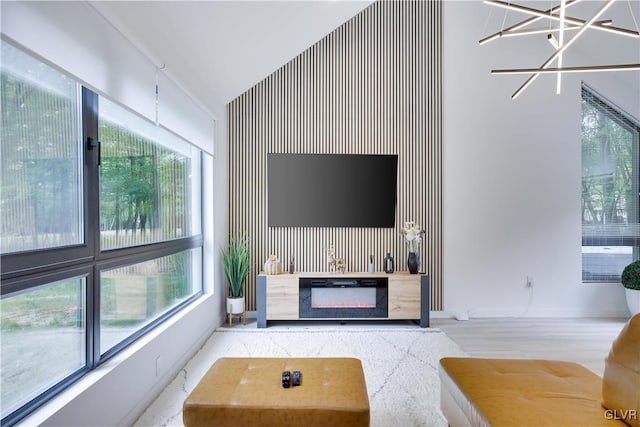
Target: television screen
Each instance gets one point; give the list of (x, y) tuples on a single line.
[(331, 190)]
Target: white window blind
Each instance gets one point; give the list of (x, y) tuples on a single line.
[(74, 37)]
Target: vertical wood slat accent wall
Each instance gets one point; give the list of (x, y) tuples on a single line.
[(373, 86)]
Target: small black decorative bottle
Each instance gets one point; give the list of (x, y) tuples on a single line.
[(388, 263)]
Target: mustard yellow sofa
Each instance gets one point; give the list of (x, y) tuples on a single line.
[(518, 392)]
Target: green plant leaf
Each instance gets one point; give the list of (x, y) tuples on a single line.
[(631, 276), (236, 264)]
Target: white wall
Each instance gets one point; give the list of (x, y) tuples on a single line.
[(220, 209), (512, 177)]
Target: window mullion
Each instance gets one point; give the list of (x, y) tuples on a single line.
[(92, 220), (635, 198), (92, 185)]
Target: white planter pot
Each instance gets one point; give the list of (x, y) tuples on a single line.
[(235, 305), (633, 300)]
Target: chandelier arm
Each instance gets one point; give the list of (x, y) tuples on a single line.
[(524, 23), (541, 14), (562, 48), (577, 69), (633, 15), (540, 30), (563, 8)]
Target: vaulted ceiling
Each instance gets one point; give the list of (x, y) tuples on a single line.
[(216, 50)]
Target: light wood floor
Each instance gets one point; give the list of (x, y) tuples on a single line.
[(585, 341)]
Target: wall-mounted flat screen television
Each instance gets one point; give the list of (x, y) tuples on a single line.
[(331, 190)]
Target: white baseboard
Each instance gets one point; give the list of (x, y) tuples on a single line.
[(553, 313)]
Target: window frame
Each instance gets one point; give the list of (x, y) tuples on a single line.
[(626, 121), (28, 270)]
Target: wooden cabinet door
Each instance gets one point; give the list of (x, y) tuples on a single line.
[(282, 297), (404, 296)]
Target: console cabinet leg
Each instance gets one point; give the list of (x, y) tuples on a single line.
[(261, 301), (424, 301)]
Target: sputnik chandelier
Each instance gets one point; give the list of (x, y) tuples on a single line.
[(566, 25)]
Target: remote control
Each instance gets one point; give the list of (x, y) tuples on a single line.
[(286, 379), (296, 378)]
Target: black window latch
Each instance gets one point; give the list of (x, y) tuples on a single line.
[(94, 144)]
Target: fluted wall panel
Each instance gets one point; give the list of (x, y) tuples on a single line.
[(373, 86)]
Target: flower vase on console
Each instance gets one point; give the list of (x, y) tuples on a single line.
[(413, 236), (413, 263)]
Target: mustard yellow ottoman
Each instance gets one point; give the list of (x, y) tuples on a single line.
[(239, 392)]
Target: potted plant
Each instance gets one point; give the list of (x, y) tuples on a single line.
[(631, 281), (236, 267)]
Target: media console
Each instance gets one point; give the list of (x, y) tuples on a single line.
[(348, 296)]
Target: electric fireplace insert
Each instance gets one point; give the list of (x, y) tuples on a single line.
[(343, 298)]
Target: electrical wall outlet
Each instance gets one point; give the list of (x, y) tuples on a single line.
[(529, 283)]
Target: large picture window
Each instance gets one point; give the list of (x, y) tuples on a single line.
[(101, 213), (610, 189)]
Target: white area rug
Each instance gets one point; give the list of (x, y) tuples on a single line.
[(400, 367)]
